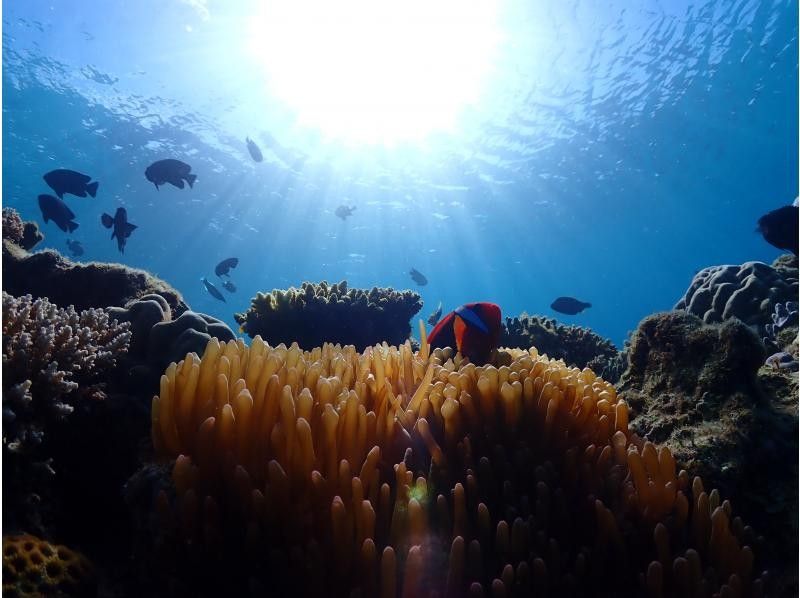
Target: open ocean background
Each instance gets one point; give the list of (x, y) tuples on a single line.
[(613, 151)]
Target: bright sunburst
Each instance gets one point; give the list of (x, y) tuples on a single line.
[(372, 71)]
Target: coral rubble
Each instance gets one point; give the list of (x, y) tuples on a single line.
[(33, 568), (575, 345), (333, 472), (317, 313), (748, 292), (696, 389), (83, 285)]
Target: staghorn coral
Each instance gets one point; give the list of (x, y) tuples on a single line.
[(23, 234), (748, 292), (332, 472), (319, 313), (84, 285), (783, 328), (52, 357), (698, 390), (575, 345), (33, 567)]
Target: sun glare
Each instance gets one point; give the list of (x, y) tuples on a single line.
[(372, 71)]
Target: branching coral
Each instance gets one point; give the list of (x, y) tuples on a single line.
[(319, 313), (575, 345), (51, 357), (329, 472), (33, 567)]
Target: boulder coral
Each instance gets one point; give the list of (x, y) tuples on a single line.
[(748, 292), (24, 234), (317, 313), (697, 389), (33, 567), (388, 473)]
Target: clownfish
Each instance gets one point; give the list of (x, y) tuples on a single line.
[(473, 329)]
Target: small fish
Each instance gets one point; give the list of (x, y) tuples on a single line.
[(780, 228), (255, 151), (224, 266), (418, 277), (474, 329), (75, 247), (344, 211), (122, 228), (569, 305), (434, 317), (213, 290), (68, 181), (56, 210), (229, 286), (170, 171)]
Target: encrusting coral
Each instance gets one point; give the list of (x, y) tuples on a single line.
[(52, 357), (33, 568), (393, 473), (319, 313)]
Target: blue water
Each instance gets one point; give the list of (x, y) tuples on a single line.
[(613, 150)]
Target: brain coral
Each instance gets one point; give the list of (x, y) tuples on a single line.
[(748, 292), (392, 473), (33, 567), (314, 314)]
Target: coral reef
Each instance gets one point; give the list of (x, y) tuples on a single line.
[(83, 285), (696, 389), (783, 328), (575, 345), (318, 313), (52, 358), (24, 234), (332, 472), (33, 567), (748, 292)]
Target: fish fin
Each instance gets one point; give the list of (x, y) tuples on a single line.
[(72, 226), (587, 305), (470, 316), (156, 184), (178, 183), (92, 188), (191, 178), (46, 219), (129, 228), (107, 220), (459, 329)]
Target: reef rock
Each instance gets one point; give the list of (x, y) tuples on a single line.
[(748, 292), (83, 285), (318, 313), (23, 234), (696, 389)]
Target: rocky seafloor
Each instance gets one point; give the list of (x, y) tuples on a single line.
[(567, 468)]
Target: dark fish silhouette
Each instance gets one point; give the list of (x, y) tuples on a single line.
[(569, 305), (68, 181), (75, 247), (779, 228), (213, 290), (229, 286), (122, 228), (473, 329), (224, 266), (56, 210), (434, 317), (344, 211), (255, 151), (170, 171), (418, 277)]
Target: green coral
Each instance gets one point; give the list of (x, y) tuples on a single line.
[(317, 313)]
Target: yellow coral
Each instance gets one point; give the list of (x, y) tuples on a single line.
[(528, 476), (33, 567)]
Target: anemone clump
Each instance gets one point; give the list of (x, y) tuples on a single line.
[(317, 313), (33, 567), (748, 292), (393, 473), (575, 345)]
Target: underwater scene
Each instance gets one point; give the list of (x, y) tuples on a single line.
[(365, 299)]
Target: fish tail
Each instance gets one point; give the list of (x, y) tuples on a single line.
[(191, 178), (92, 188), (72, 226)]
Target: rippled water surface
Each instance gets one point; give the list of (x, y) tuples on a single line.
[(608, 150)]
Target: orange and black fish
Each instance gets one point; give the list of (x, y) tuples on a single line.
[(473, 329)]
